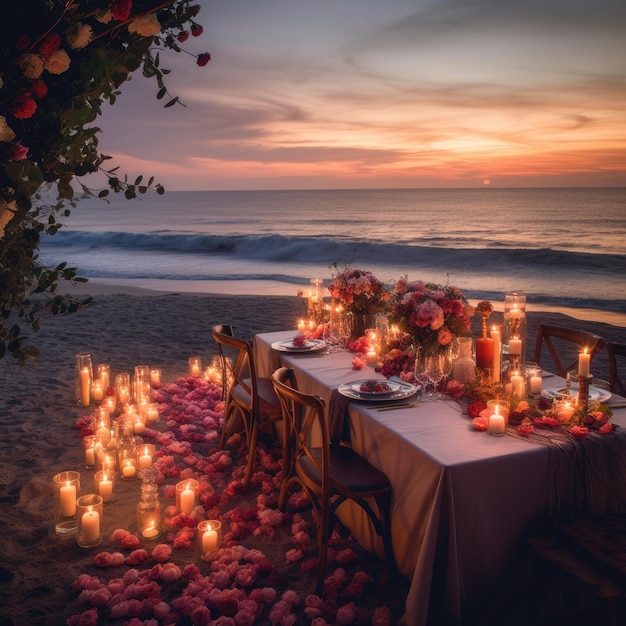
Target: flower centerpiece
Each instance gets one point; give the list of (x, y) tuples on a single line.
[(360, 293), (433, 315)]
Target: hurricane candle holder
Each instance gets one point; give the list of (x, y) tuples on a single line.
[(127, 457), (515, 330), (195, 366), (145, 455), (186, 495), (104, 481), (209, 536), (142, 383), (89, 446), (103, 373), (498, 417), (83, 379), (66, 489), (149, 516), (89, 515), (122, 388)]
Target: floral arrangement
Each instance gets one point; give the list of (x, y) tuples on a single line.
[(359, 291), (58, 64), (433, 315)]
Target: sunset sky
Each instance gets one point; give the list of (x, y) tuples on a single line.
[(373, 94)]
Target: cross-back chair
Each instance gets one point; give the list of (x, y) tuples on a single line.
[(329, 473), (617, 383), (564, 345), (250, 403)]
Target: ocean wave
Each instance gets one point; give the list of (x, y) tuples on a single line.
[(343, 250)]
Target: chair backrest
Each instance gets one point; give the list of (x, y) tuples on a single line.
[(617, 383), (303, 414), (564, 345), (236, 359)]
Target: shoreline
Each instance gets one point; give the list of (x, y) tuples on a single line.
[(247, 287)]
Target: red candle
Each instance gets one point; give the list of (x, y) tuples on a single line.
[(484, 353)]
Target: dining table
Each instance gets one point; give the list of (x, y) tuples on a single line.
[(463, 501)]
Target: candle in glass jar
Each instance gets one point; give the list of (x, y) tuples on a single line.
[(145, 459), (124, 395), (68, 499), (301, 326), (371, 357), (128, 471), (187, 500), (139, 426), (105, 488), (584, 361), (98, 392), (534, 382), (497, 423), (518, 388), (151, 531), (90, 526), (515, 346)]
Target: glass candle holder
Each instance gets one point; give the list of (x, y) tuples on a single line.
[(89, 447), (127, 457), (104, 482), (515, 329), (89, 516), (141, 383), (97, 391), (122, 388), (106, 460), (209, 536), (66, 490), (155, 377), (186, 495), (195, 366), (103, 373), (498, 417), (152, 412), (145, 455), (83, 379)]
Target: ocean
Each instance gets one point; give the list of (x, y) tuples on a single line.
[(564, 248)]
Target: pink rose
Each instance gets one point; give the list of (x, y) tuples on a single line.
[(346, 613), (161, 553), (444, 336)]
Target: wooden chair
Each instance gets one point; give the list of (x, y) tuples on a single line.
[(329, 473), (617, 384), (250, 403), (564, 344)]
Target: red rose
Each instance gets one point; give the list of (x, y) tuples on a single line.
[(605, 429), (121, 10), (579, 432), (24, 109), (196, 30), (182, 36), (203, 59), (525, 429), (103, 559), (39, 89), (49, 45), (474, 408)]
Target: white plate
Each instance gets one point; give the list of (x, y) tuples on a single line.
[(595, 393), (405, 390), (392, 387), (311, 345)]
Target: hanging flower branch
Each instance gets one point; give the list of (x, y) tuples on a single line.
[(58, 63)]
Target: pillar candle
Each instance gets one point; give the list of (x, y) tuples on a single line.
[(484, 352), (124, 395), (145, 459), (90, 455), (209, 540), (518, 388), (105, 488), (534, 383), (98, 393), (68, 500), (515, 346), (497, 423), (301, 326), (187, 501), (139, 426), (90, 526), (84, 386), (497, 357), (371, 357), (584, 361)]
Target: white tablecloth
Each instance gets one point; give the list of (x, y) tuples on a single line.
[(462, 500)]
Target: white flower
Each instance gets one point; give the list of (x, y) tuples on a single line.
[(31, 65), (145, 26), (79, 36), (6, 133), (58, 62)]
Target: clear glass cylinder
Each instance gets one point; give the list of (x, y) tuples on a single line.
[(514, 340), (149, 514), (209, 536), (195, 366), (122, 388), (83, 379), (141, 384), (103, 373), (89, 447), (186, 495), (127, 457), (66, 487), (145, 455), (89, 511)]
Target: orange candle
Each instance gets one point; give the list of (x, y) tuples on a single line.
[(484, 353)]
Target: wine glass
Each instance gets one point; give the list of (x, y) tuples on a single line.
[(435, 369)]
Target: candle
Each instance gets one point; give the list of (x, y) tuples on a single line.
[(84, 386), (484, 352), (497, 423), (98, 393), (584, 361), (195, 366), (515, 346), (90, 526), (497, 358), (68, 499), (301, 326), (139, 426), (124, 395), (103, 433), (155, 377), (108, 463), (564, 411), (104, 374), (518, 388), (371, 357), (105, 488), (209, 540), (128, 471), (145, 459), (151, 531), (515, 313), (187, 500), (534, 382)]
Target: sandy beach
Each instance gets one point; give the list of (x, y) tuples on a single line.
[(126, 326)]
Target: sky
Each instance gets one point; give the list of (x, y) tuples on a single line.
[(331, 94)]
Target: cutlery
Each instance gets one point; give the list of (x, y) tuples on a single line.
[(617, 405), (398, 406)]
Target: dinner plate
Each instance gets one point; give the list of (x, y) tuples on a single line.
[(371, 383), (595, 393), (401, 391), (311, 345)]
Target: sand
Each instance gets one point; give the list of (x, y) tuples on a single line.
[(126, 326)]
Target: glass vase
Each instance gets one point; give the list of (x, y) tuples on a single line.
[(83, 379)]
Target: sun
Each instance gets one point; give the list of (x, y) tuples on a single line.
[(486, 181)]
